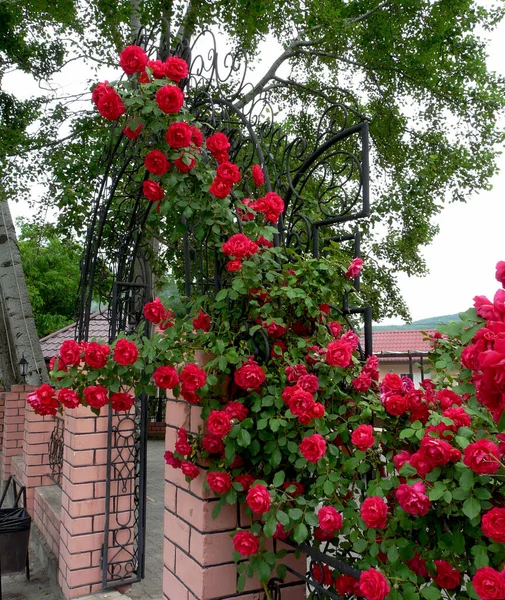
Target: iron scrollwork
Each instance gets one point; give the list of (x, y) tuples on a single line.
[(56, 450)]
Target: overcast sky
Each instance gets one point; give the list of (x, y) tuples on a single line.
[(462, 258)]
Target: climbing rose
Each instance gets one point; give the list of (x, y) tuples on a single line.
[(309, 383), (96, 396), (236, 410), (257, 175), (157, 68), (176, 68), (220, 188), (125, 352), (460, 417), (133, 60), (395, 404), (297, 492), (245, 480), (155, 311), (217, 143), (219, 423), (190, 470), (171, 460), (121, 401), (234, 265), (68, 398), (179, 135), (192, 377), (202, 321), (391, 383), (493, 524), (152, 190), (500, 271), (182, 166), (110, 105), (100, 90), (295, 372), (335, 328), (313, 447), (374, 512), (246, 543), (133, 134), (448, 398), (373, 585), (196, 136), (250, 375), (219, 482), (239, 246), (212, 444), (274, 330), (339, 354), (330, 520), (345, 584), (412, 499), (362, 383), (166, 377), (258, 499), (271, 206), (417, 565), (156, 162), (362, 437), (70, 353), (43, 401), (482, 457), (447, 576), (299, 401), (170, 99), (280, 533), (489, 583), (354, 268), (96, 354), (228, 172)]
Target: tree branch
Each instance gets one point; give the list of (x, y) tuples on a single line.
[(365, 16)]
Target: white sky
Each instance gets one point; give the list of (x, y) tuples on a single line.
[(461, 259)]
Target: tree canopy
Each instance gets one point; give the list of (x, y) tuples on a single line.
[(416, 68)]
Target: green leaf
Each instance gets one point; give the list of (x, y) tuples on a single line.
[(282, 517), (270, 526), (393, 554), (295, 513), (431, 593), (328, 487), (360, 545), (471, 507), (467, 479), (241, 583), (279, 478), (301, 533)]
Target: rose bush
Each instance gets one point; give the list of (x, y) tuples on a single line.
[(406, 484)]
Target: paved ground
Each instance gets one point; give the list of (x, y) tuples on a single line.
[(16, 587)]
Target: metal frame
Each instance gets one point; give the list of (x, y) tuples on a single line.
[(56, 445)]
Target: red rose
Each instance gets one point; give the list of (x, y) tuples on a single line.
[(317, 411), (236, 410), (246, 543), (362, 437), (250, 375), (258, 499), (362, 383), (202, 321), (152, 190), (500, 272), (176, 68), (171, 460), (182, 166), (261, 241), (70, 353), (68, 398), (330, 520), (43, 400), (345, 584), (295, 372), (321, 535), (417, 406), (220, 188), (125, 352), (245, 481), (239, 246), (257, 175), (374, 512), (228, 172), (157, 68), (335, 328), (217, 143), (192, 377), (122, 401), (438, 452), (401, 459), (412, 499), (299, 488), (170, 99), (309, 383), (219, 423), (313, 447), (482, 457), (417, 565), (219, 482), (100, 90), (339, 354), (56, 364), (166, 377), (179, 135), (280, 533), (190, 470), (322, 574), (190, 395), (133, 60), (395, 404), (234, 265), (212, 444), (156, 163), (271, 206), (96, 396), (448, 398), (488, 583), (421, 463), (133, 134), (196, 136), (96, 354), (300, 402), (447, 576), (354, 268), (391, 383), (274, 330), (460, 417), (110, 105), (493, 524), (373, 585), (155, 311)]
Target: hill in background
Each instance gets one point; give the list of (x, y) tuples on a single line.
[(424, 324)]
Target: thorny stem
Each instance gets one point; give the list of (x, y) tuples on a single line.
[(267, 593)]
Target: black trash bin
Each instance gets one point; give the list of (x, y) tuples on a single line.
[(14, 538)]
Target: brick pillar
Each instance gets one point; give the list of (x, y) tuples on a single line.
[(197, 553), (2, 410), (82, 502), (14, 417)]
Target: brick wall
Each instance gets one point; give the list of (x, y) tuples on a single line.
[(14, 417), (47, 514), (2, 409), (156, 431)]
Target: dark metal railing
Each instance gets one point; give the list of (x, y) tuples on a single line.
[(56, 450)]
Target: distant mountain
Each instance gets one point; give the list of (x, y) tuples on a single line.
[(424, 324)]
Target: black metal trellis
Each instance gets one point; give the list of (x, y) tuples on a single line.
[(325, 187), (56, 450)]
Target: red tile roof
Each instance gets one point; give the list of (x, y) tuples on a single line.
[(98, 329), (400, 340)]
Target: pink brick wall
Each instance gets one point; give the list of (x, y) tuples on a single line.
[(198, 550), (14, 417), (46, 516), (2, 409)]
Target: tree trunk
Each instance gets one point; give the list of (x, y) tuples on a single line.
[(18, 334)]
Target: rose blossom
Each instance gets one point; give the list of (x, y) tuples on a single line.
[(190, 470), (448, 398), (438, 452), (257, 175), (489, 584), (459, 415), (258, 499), (179, 135), (68, 398), (239, 246), (212, 444), (176, 68), (354, 268), (339, 354), (219, 423), (417, 565), (313, 447), (373, 585), (166, 377), (401, 458), (236, 410), (43, 401), (395, 404), (391, 383), (309, 383), (447, 576), (70, 353), (202, 321), (362, 383), (228, 172), (121, 401), (196, 136), (335, 328), (412, 499), (300, 401), (271, 206), (192, 377), (220, 188), (217, 143), (110, 105), (245, 543), (500, 272), (133, 134), (250, 375), (219, 482), (182, 166), (125, 352), (299, 488), (156, 162), (493, 524), (96, 396), (362, 437), (155, 311), (293, 373), (274, 330), (157, 68), (152, 190), (245, 480), (330, 520), (280, 533), (374, 512), (96, 354), (234, 265), (345, 584), (482, 457), (170, 99), (100, 90), (133, 59)]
